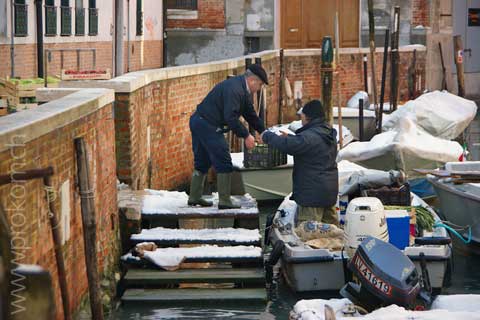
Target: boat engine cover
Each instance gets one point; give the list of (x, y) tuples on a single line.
[(385, 274)]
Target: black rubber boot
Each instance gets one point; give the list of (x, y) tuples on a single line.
[(224, 186), (196, 190)]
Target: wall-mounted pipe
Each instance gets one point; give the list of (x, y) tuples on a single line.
[(39, 23), (12, 40), (128, 35)]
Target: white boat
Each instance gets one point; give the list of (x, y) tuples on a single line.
[(308, 269), (350, 120)]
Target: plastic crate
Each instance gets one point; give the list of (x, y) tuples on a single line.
[(390, 196), (263, 156)]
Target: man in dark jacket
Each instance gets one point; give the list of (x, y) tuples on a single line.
[(218, 113), (315, 173)]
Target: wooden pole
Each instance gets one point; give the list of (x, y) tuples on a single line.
[(412, 76), (444, 74), (261, 105), (360, 120), (371, 33), (384, 76), (394, 60), (365, 72), (6, 259), (337, 67), (280, 88), (89, 229), (458, 56), (57, 240), (327, 76)]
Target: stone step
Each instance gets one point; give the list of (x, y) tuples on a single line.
[(214, 296), (224, 236), (204, 253), (150, 278)]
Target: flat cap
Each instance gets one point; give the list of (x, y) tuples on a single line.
[(257, 70)]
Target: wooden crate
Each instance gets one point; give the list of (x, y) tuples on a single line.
[(86, 75)]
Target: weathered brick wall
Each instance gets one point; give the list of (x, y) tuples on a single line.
[(30, 222), (146, 54), (307, 70), (420, 13), (211, 15)]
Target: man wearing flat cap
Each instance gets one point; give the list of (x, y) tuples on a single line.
[(315, 173), (217, 114)]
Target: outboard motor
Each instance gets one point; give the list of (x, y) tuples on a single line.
[(386, 276)]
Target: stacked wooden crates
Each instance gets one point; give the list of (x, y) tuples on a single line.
[(21, 95)]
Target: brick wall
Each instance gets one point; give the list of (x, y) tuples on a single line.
[(211, 15), (165, 106), (420, 13), (31, 223), (143, 55)]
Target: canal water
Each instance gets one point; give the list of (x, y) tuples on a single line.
[(465, 279)]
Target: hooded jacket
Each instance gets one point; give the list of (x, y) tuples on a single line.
[(315, 173)]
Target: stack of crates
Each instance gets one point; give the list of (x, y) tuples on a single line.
[(263, 156), (389, 196)]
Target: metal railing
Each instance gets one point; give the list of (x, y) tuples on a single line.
[(47, 54)]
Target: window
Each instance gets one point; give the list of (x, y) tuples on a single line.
[(50, 18), (182, 4), (66, 18), (139, 18), (21, 18), (79, 18), (92, 18)]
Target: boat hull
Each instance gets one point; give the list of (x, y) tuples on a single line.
[(308, 270), (459, 205), (268, 184)]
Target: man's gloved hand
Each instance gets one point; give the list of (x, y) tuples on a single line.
[(250, 142)]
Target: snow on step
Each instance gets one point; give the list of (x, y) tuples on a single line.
[(160, 202), (201, 235), (169, 258)]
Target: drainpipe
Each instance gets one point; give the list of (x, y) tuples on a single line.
[(128, 35), (164, 30), (119, 37), (39, 20), (12, 40)]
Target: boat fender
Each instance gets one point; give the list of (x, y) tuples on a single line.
[(273, 259), (268, 226)]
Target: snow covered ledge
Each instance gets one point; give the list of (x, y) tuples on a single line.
[(33, 123), (132, 81)]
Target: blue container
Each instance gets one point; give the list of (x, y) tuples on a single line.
[(398, 224)]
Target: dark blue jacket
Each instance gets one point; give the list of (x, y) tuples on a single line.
[(227, 101), (315, 173)]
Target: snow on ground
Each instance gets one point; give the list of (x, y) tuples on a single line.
[(240, 235), (174, 202), (452, 307)]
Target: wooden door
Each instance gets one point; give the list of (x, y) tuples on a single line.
[(304, 23), (291, 18)]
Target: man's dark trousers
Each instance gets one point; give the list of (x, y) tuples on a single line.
[(209, 146)]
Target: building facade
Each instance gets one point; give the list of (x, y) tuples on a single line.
[(126, 35)]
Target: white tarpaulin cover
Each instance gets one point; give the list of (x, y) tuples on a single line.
[(439, 113), (404, 148), (453, 307)]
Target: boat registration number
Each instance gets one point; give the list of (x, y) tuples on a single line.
[(371, 277)]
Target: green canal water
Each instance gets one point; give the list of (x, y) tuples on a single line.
[(465, 279)]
